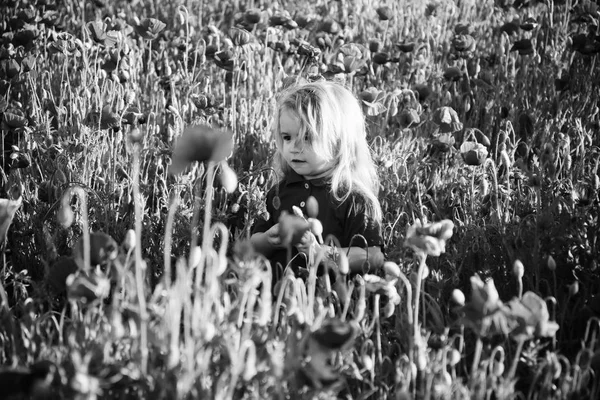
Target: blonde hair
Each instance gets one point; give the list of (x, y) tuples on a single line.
[(332, 120)]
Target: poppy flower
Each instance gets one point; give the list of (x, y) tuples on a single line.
[(88, 288), (381, 58), (103, 250), (384, 13), (25, 37), (375, 45), (447, 120), (510, 28), (462, 29), (334, 334), (200, 143), (292, 228), (473, 153), (107, 119), (14, 119), (239, 36), (424, 91), (532, 317), (444, 142), (10, 68), (99, 33), (371, 99), (329, 25), (453, 74), (28, 63), (279, 18), (252, 16), (149, 28), (406, 47), (8, 208), (429, 239), (529, 24), (377, 285), (409, 117), (485, 311), (464, 43), (523, 46), (303, 20)]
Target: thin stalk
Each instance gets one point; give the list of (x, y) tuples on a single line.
[(139, 279)]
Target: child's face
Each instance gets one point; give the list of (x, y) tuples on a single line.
[(298, 153)]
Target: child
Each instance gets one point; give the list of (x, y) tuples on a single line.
[(322, 151)]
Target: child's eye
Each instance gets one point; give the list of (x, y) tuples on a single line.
[(285, 138)]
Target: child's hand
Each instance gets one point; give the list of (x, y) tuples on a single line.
[(273, 237), (307, 242)]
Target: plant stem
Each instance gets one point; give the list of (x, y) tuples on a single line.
[(139, 278), (515, 361)]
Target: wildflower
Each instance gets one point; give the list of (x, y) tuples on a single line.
[(431, 238), (375, 45), (447, 120), (88, 288), (334, 334), (371, 98), (107, 119), (453, 74), (462, 29), (292, 228), (329, 25), (240, 37), (473, 153), (486, 311), (103, 250), (409, 117), (200, 143), (464, 43), (279, 18), (98, 32), (381, 58), (406, 47), (423, 91), (444, 142), (149, 28), (392, 270), (252, 16), (8, 208), (531, 317), (384, 13), (529, 24), (14, 119), (523, 46), (28, 63), (377, 285), (10, 68), (510, 28)]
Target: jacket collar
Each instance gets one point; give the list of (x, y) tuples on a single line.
[(293, 177)]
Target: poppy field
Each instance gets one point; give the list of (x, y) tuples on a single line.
[(136, 140)]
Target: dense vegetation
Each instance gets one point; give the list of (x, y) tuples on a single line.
[(483, 117)]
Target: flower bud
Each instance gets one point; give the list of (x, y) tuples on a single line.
[(518, 269), (343, 264), (65, 216), (312, 207), (574, 288), (551, 263), (388, 309), (228, 178), (458, 297), (316, 227), (392, 269), (129, 241), (195, 255)]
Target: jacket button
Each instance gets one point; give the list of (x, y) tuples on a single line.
[(302, 204), (306, 185)]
